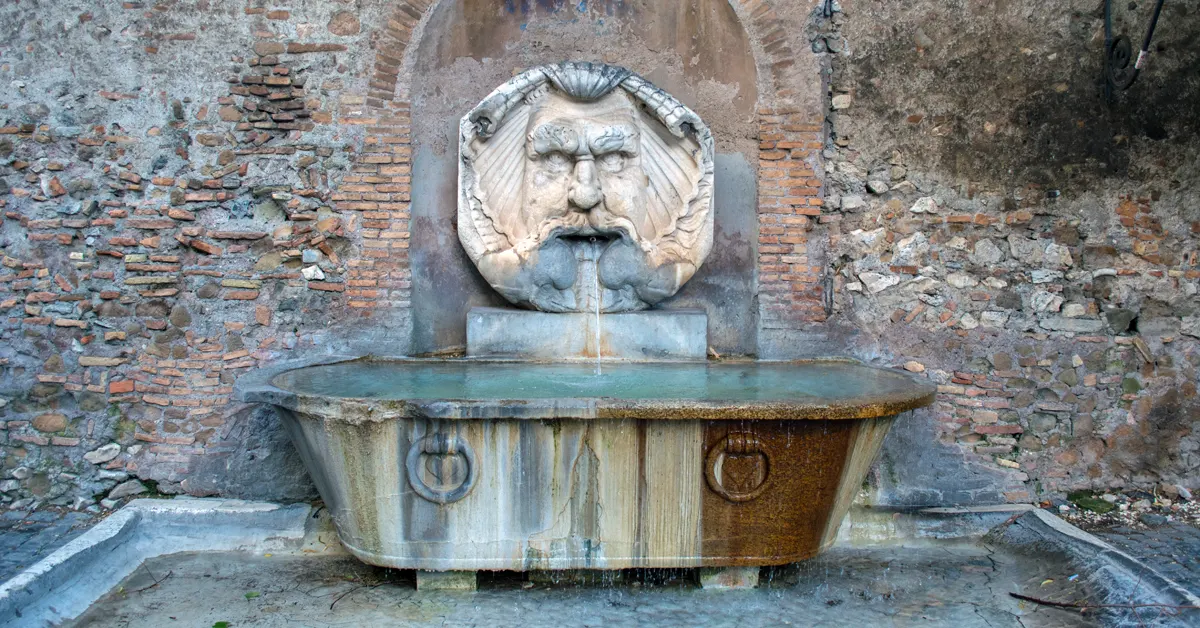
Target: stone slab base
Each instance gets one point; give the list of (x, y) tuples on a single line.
[(866, 525), (446, 580), (648, 335), (729, 578), (61, 586)]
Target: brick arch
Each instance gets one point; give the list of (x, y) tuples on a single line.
[(789, 283), (768, 34)]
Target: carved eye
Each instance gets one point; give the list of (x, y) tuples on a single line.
[(611, 162), (556, 161)]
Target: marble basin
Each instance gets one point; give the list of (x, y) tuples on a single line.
[(468, 464)]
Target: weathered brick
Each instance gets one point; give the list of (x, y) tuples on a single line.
[(264, 48), (326, 286), (1003, 428), (150, 223), (299, 48)]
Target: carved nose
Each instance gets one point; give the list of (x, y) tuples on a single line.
[(585, 186)]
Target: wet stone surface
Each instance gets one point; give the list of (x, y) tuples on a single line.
[(950, 584), (29, 536), (1172, 550)]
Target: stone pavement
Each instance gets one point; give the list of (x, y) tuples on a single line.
[(951, 584), (29, 536), (1172, 549)]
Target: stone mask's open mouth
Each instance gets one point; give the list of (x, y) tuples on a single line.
[(597, 238), (589, 235), (588, 243)]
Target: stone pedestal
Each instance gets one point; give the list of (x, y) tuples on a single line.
[(446, 580), (728, 578), (530, 335)]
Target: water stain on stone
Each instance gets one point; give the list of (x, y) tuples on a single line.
[(1044, 118)]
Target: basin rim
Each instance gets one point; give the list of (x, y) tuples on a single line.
[(259, 386)]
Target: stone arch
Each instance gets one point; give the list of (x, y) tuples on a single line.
[(774, 56)]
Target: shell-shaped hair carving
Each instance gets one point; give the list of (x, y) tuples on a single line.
[(585, 81)]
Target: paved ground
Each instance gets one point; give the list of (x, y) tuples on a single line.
[(27, 537), (960, 585), (949, 584), (1173, 550)]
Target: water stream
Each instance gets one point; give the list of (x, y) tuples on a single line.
[(597, 298)]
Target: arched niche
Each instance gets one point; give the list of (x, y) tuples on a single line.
[(697, 50)]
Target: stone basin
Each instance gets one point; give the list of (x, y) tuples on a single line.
[(471, 465)]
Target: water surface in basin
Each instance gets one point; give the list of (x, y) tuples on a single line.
[(826, 381)]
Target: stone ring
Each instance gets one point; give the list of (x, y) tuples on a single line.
[(440, 445)]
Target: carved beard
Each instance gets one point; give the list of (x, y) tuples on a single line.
[(580, 256)]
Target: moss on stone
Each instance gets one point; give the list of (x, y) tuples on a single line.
[(1087, 500)]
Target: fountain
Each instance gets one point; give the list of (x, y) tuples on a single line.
[(586, 200)]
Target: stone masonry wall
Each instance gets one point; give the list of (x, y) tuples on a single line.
[(184, 197), (191, 189), (1027, 244)]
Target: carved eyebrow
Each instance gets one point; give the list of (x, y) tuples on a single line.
[(550, 137), (613, 139)]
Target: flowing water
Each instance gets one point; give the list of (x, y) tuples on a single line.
[(597, 298)]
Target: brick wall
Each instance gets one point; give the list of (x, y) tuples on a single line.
[(152, 257), (790, 279)]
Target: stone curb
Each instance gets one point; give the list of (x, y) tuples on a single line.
[(865, 525), (1119, 577), (63, 585)]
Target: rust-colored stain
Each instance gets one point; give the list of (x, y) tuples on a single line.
[(785, 521)]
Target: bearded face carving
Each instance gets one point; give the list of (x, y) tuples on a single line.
[(583, 186)]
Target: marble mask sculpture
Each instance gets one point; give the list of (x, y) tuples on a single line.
[(581, 182)]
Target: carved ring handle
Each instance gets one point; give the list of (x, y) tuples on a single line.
[(736, 443), (440, 445)]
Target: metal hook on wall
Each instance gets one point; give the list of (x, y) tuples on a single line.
[(1120, 67)]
